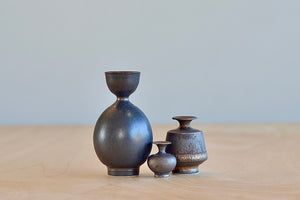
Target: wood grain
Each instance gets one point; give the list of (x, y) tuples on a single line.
[(245, 161)]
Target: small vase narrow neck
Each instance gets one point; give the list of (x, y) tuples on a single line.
[(161, 145), (162, 148)]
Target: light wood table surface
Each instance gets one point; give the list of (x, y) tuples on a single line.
[(245, 161)]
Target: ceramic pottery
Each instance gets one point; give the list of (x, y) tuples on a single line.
[(161, 163), (187, 146), (122, 135)]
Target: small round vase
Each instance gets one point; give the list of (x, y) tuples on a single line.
[(187, 146), (122, 135), (161, 163)]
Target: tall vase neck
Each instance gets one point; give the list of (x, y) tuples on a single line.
[(122, 98)]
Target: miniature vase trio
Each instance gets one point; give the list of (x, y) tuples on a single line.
[(123, 136)]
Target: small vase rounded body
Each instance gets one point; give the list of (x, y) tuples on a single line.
[(122, 135), (161, 163), (187, 146)]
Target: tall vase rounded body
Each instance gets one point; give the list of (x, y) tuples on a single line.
[(122, 135)]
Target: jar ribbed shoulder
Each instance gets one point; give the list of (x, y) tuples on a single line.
[(186, 141)]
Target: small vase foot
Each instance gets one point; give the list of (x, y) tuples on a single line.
[(123, 171), (186, 170), (161, 175)]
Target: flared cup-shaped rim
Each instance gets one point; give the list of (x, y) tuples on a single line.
[(122, 83), (122, 72)]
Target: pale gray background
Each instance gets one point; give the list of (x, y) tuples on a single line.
[(221, 60)]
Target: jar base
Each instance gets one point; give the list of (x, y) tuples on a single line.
[(186, 170), (123, 171)]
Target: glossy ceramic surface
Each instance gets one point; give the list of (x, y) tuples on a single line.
[(122, 135), (162, 163)]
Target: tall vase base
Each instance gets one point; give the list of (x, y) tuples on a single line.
[(123, 171), (186, 170)]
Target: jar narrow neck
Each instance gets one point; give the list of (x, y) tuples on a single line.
[(184, 121), (185, 124)]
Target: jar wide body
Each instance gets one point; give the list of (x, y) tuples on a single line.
[(122, 138), (188, 147)]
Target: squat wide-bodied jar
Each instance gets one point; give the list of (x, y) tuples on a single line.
[(187, 146)]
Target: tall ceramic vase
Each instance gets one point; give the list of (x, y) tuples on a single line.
[(122, 135)]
